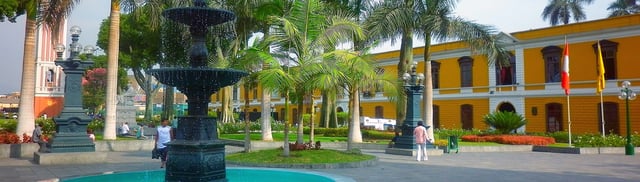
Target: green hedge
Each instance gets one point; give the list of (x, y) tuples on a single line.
[(8, 125)]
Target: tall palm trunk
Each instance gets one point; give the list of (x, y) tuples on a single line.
[(112, 71), (168, 111), (247, 121), (149, 92), (311, 123), (406, 56), (428, 87), (287, 126), (266, 116), (324, 112), (300, 132), (226, 112), (26, 118), (354, 125)]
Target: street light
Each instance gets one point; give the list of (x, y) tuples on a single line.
[(627, 94), (72, 122), (413, 87)]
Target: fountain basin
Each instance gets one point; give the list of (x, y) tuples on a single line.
[(233, 175), (205, 79)]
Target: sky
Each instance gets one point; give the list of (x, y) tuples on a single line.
[(505, 15)]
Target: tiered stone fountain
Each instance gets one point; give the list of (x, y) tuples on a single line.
[(197, 154)]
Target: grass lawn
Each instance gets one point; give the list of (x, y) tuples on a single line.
[(101, 137), (565, 145), (274, 156)]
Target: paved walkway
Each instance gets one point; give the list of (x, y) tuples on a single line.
[(488, 166)]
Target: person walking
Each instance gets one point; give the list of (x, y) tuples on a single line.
[(164, 136), (420, 132)]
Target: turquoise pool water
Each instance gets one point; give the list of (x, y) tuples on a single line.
[(233, 175)]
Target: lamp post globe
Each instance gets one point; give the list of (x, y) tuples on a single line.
[(627, 94)]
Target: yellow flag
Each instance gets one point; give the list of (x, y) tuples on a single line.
[(601, 81)]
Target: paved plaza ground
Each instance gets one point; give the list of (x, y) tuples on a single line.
[(464, 166)]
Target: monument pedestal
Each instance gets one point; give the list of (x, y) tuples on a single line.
[(69, 158)]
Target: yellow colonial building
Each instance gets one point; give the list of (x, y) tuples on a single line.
[(466, 86)]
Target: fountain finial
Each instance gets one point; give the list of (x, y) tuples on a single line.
[(200, 3)]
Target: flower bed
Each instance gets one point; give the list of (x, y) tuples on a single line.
[(510, 139)]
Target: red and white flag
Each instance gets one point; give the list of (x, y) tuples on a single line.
[(565, 68)]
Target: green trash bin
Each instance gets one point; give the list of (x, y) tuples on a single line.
[(453, 144)]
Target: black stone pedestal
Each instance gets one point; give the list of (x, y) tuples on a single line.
[(196, 161), (71, 134), (196, 154)]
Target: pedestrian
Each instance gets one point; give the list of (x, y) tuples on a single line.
[(394, 140), (92, 136), (36, 137), (125, 129), (164, 136), (420, 132)]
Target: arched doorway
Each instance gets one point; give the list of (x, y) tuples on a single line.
[(554, 117), (506, 106), (466, 116), (611, 118)]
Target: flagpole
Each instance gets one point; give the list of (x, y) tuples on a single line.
[(601, 85), (602, 114), (569, 123), (566, 85)]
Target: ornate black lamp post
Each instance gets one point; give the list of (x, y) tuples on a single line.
[(72, 123), (413, 88), (627, 94)]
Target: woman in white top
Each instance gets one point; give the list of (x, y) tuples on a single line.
[(163, 137)]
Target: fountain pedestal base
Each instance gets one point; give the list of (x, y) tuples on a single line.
[(196, 161)]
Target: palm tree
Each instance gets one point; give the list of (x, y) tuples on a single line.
[(350, 71), (623, 7), (51, 13), (112, 71), (561, 11), (358, 11), (433, 20), (300, 37), (307, 34), (389, 20)]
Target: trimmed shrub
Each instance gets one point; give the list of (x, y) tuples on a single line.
[(8, 125), (48, 126), (97, 125), (377, 135), (442, 133), (510, 139), (504, 122), (596, 140)]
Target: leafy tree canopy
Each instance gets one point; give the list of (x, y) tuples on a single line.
[(10, 10)]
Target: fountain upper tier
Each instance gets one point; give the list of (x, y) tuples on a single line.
[(209, 79), (198, 16)]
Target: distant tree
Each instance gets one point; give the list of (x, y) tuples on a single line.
[(562, 11), (9, 10), (623, 7), (139, 50), (94, 84)]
